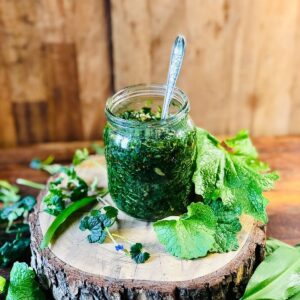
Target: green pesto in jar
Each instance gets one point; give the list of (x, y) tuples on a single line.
[(150, 162)]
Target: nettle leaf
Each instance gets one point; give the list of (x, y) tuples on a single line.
[(228, 225), (190, 236), (231, 171), (277, 277), (137, 254)]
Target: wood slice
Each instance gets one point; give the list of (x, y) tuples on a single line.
[(74, 269)]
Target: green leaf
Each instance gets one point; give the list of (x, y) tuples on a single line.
[(3, 285), (80, 155), (98, 149), (137, 254), (62, 217), (228, 225), (46, 165), (97, 222), (273, 244), (277, 277), (11, 251), (231, 171), (8, 193), (18, 209), (23, 284), (192, 235)]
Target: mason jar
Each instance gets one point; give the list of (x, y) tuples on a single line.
[(150, 164)]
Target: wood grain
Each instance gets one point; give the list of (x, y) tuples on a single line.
[(55, 64), (163, 273), (240, 69)]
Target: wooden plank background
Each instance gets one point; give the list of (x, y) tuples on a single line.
[(61, 59)]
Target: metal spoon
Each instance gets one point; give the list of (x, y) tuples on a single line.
[(176, 59)]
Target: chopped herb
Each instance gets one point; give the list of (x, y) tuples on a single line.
[(150, 171), (145, 114)]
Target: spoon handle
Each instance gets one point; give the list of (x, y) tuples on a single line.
[(176, 59)]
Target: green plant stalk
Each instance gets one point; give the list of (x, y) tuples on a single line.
[(62, 217), (35, 185)]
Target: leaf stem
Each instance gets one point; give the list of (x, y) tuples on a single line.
[(35, 185)]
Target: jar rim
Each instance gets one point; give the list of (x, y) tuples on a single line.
[(144, 89)]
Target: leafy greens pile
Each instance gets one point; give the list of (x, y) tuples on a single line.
[(230, 180), (14, 230)]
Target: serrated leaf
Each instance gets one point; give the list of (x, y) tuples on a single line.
[(228, 225), (192, 235), (231, 171), (23, 284)]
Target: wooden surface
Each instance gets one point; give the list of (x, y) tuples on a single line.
[(61, 59), (165, 274), (283, 154), (54, 70)]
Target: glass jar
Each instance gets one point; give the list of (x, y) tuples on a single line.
[(150, 164)]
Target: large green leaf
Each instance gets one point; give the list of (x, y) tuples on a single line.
[(22, 284), (277, 277), (231, 171), (190, 236)]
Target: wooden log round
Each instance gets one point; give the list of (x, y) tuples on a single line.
[(74, 269)]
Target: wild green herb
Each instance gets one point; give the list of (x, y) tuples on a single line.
[(57, 195), (232, 172), (230, 180), (64, 215), (14, 238), (278, 276), (80, 155), (8, 193), (98, 222), (22, 284), (154, 165)]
